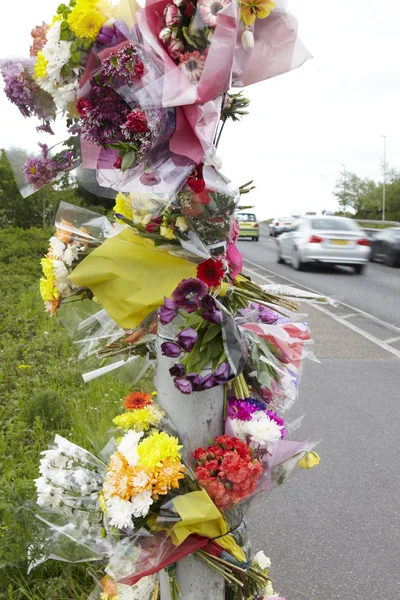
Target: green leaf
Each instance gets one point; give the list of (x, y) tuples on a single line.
[(211, 333), (190, 40), (128, 160), (194, 319)]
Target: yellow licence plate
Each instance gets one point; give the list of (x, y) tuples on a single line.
[(340, 242)]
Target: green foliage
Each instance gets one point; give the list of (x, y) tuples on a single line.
[(41, 393), (365, 196)]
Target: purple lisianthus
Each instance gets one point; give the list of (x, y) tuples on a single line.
[(177, 370), (243, 409), (187, 339), (267, 316), (208, 382), (171, 349), (189, 294), (183, 385), (278, 420), (221, 373), (168, 311)]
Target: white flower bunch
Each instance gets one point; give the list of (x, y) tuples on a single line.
[(261, 429)]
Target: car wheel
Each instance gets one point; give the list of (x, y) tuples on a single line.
[(359, 269), (256, 239), (279, 256), (296, 260)]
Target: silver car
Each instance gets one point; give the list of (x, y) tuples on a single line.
[(333, 240)]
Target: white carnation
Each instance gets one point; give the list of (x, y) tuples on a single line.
[(141, 503), (120, 512), (57, 247), (128, 447), (262, 561), (70, 254)]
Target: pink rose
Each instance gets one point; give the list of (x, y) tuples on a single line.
[(172, 15), (176, 48)]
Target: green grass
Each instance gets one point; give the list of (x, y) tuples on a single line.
[(41, 393)]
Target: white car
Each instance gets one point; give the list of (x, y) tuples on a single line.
[(330, 240), (280, 225)]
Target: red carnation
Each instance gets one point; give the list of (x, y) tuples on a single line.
[(137, 121), (152, 227), (138, 71), (83, 105), (211, 271), (196, 185)]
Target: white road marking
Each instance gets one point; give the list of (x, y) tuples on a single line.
[(393, 340), (342, 320)]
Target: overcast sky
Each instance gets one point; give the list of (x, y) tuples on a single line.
[(302, 126)]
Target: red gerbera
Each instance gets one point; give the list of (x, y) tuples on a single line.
[(136, 400), (211, 271)]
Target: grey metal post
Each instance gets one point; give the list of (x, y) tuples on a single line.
[(196, 417), (384, 178)]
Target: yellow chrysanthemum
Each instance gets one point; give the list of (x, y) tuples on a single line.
[(123, 206), (40, 65), (139, 420), (47, 268), (157, 448), (86, 23), (167, 477), (250, 10), (48, 291)]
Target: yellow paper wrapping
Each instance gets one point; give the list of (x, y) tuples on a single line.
[(200, 515), (124, 10), (130, 277)]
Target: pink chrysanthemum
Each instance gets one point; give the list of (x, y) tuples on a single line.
[(192, 64), (209, 10)]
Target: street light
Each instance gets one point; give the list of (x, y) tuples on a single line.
[(384, 178)]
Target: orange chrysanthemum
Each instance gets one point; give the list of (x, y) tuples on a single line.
[(168, 477), (136, 400), (65, 233), (117, 482), (109, 586)]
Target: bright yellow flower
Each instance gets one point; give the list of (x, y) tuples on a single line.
[(139, 420), (47, 268), (182, 224), (309, 460), (40, 65), (55, 19), (85, 21), (167, 232), (252, 9), (123, 206), (156, 448), (48, 291)]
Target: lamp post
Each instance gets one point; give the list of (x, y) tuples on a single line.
[(384, 178)]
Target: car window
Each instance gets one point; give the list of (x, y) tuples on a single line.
[(334, 224), (246, 217)]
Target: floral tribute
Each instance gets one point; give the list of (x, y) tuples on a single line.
[(145, 99)]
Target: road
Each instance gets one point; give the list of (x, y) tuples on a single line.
[(376, 292), (332, 533)]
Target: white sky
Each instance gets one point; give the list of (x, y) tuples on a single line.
[(302, 126)]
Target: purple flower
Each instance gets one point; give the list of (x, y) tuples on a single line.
[(208, 302), (42, 171), (105, 35), (177, 370), (168, 311), (189, 294), (183, 385), (208, 382), (243, 409), (221, 373), (187, 339), (266, 315), (24, 92), (171, 349), (196, 381), (278, 420), (213, 316)]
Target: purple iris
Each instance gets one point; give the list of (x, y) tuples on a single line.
[(177, 370), (168, 311), (187, 339), (183, 385), (243, 409), (221, 373), (189, 294), (171, 349)]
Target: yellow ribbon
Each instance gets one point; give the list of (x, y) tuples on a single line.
[(130, 276), (200, 515)]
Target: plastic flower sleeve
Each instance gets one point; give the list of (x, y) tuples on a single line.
[(196, 46), (277, 48)]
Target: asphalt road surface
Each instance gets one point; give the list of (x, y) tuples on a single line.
[(333, 533), (376, 292)]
